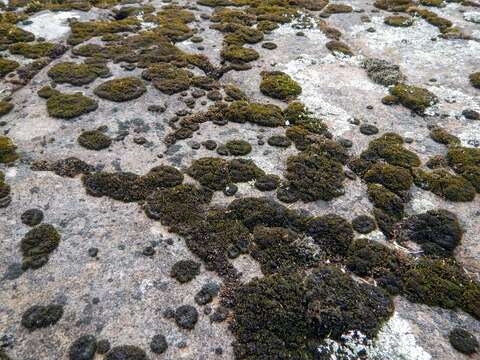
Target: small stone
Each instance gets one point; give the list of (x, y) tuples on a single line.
[(371, 30), (168, 313), (269, 45), (261, 142), (408, 140), (186, 316), (32, 217), (195, 145), (369, 107), (300, 33), (223, 150), (363, 224), (354, 121), (345, 143), (93, 252), (148, 251), (210, 144), (471, 114), (233, 252), (218, 351), (368, 129), (140, 140), (463, 341), (158, 345), (157, 108), (103, 346)]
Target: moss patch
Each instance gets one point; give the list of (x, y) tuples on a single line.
[(168, 78), (238, 147), (122, 89), (475, 80), (239, 54), (37, 244), (7, 66), (39, 316), (413, 97), (94, 140), (443, 137), (75, 74), (394, 178), (398, 21), (5, 107), (8, 149), (37, 50), (185, 270), (69, 106), (279, 85), (336, 46), (127, 352)]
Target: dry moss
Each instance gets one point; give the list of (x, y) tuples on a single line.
[(7, 66), (121, 89), (69, 106), (398, 21), (336, 46), (38, 244), (337, 9), (279, 85), (413, 97), (168, 78), (76, 74), (475, 80)]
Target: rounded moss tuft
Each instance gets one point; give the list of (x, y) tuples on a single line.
[(69, 106), (122, 89), (126, 352), (5, 107), (185, 270), (94, 140), (475, 80), (399, 21), (463, 341), (413, 97), (39, 316), (37, 244), (238, 147), (279, 85), (8, 149)]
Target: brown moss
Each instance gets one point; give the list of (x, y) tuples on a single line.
[(261, 114), (5, 107), (337, 9), (7, 66), (336, 46), (413, 97), (38, 244), (10, 34), (121, 89), (8, 149), (475, 80), (40, 316), (398, 21), (94, 140), (168, 78)]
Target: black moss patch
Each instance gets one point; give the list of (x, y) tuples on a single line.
[(32, 217), (364, 224), (159, 344), (185, 270), (332, 232), (122, 89), (186, 316), (83, 348), (238, 147), (39, 316), (267, 182), (94, 140), (37, 244), (441, 136), (279, 141), (463, 341), (126, 352), (434, 230)]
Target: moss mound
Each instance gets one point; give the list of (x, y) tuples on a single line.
[(35, 51), (475, 80), (466, 162), (463, 341), (413, 97), (332, 232), (185, 270), (8, 149), (75, 74), (7, 66), (443, 137), (389, 147), (168, 78), (239, 54), (94, 140), (279, 85), (69, 106), (336, 46), (122, 89), (398, 21), (39, 316), (238, 147), (261, 114), (126, 352), (394, 178), (5, 107), (37, 244)]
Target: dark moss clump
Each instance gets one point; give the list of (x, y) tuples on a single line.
[(47, 92), (279, 250), (76, 74), (5, 107), (337, 9), (317, 172), (279, 141), (413, 97), (466, 162), (438, 229), (168, 78), (389, 147), (267, 182), (122, 89), (238, 147), (8, 149), (388, 207), (94, 140), (7, 66), (279, 85), (83, 31), (69, 106), (475, 80), (399, 21), (37, 244), (126, 352), (442, 282), (463, 341), (444, 184), (32, 217), (239, 54), (336, 46), (394, 178), (332, 232), (83, 348), (35, 51), (39, 316), (129, 187), (185, 270), (10, 34), (69, 167), (261, 114), (363, 224), (186, 316), (285, 316), (383, 72), (234, 92), (180, 207), (443, 137), (216, 173)]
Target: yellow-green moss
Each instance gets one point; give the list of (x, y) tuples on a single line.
[(168, 78), (441, 136), (398, 21), (5, 107), (32, 51), (68, 106), (7, 66), (336, 46), (239, 54), (413, 97), (279, 85), (238, 147), (394, 178), (10, 34), (121, 89), (7, 150), (37, 245), (72, 73), (475, 80), (94, 140)]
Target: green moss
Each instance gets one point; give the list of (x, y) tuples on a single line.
[(76, 74), (337, 9), (7, 66), (413, 97), (5, 107), (385, 200), (475, 80), (94, 140), (389, 147), (8, 149), (390, 100), (393, 5), (280, 12), (168, 78), (238, 147), (121, 89), (83, 31), (39, 316), (315, 174), (261, 114), (33, 51), (434, 3), (432, 18), (267, 182), (227, 15), (234, 92), (10, 34), (127, 352), (466, 162), (398, 21), (47, 92), (438, 232), (279, 141), (239, 54), (332, 233), (394, 178), (441, 282), (185, 270), (69, 106), (336, 46), (38, 244), (442, 183), (443, 137), (238, 34), (267, 26), (279, 85)]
